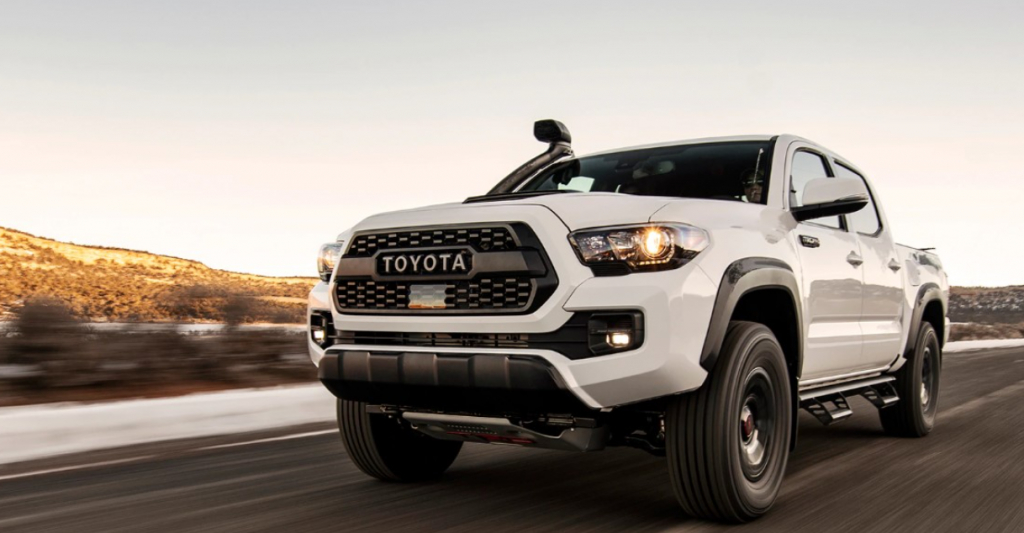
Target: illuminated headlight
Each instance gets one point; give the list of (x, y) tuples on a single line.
[(328, 258), (641, 248)]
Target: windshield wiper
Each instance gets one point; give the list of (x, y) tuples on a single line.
[(514, 195)]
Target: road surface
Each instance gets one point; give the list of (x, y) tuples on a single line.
[(968, 475)]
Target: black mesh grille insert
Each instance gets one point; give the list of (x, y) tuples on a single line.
[(493, 239), (484, 293), (508, 271)]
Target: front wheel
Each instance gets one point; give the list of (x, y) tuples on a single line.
[(382, 447), (917, 384), (728, 443)]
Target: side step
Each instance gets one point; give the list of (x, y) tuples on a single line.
[(828, 404)]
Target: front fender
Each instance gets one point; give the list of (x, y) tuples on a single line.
[(928, 293), (741, 278)]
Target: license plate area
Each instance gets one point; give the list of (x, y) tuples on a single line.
[(428, 296)]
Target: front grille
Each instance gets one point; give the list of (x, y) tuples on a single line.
[(507, 271), (484, 293), (571, 340), (487, 239), (446, 340)]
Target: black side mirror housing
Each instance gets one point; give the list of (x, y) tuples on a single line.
[(839, 207)]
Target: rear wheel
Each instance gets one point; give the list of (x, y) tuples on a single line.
[(382, 447), (728, 443), (917, 384)]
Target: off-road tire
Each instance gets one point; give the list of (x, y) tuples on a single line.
[(914, 414), (382, 447), (709, 460)]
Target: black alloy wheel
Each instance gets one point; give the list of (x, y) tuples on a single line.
[(728, 442)]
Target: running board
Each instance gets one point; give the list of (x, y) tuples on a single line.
[(828, 404), (503, 431)]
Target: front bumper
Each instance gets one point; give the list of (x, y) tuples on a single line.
[(481, 383), (676, 305)]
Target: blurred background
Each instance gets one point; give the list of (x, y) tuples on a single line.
[(86, 323)]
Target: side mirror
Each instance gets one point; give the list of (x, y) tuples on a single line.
[(826, 197)]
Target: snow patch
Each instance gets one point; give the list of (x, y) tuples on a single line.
[(33, 432), (987, 344)]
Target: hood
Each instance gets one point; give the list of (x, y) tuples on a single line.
[(575, 210), (596, 209)]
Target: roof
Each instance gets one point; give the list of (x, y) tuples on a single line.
[(735, 138), (785, 139)]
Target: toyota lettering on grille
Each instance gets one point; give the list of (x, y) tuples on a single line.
[(425, 263)]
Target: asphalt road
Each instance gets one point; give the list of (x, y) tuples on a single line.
[(968, 475)]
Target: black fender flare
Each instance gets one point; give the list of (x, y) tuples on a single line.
[(928, 293), (743, 277)]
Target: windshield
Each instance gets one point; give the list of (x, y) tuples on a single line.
[(719, 171)]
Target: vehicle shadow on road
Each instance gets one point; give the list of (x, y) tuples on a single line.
[(616, 489)]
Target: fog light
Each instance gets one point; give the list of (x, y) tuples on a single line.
[(321, 328), (612, 332), (319, 336), (619, 339)]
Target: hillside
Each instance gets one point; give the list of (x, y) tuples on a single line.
[(1000, 305), (98, 283)]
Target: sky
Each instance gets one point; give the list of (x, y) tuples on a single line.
[(244, 134)]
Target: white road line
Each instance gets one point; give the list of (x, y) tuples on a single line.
[(271, 439), (140, 458), (76, 467)]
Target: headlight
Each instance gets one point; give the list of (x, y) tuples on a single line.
[(328, 258), (639, 248)]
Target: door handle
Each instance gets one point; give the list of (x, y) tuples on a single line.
[(894, 265), (854, 259)]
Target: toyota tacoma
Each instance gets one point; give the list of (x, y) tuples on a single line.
[(685, 298)]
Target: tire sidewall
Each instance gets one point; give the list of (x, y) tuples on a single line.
[(757, 348), (387, 450), (927, 338)]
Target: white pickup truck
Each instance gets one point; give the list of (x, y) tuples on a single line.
[(685, 298)]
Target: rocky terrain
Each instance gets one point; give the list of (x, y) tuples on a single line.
[(986, 313), (986, 305), (109, 284)]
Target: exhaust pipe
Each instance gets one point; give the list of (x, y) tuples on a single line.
[(550, 131)]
